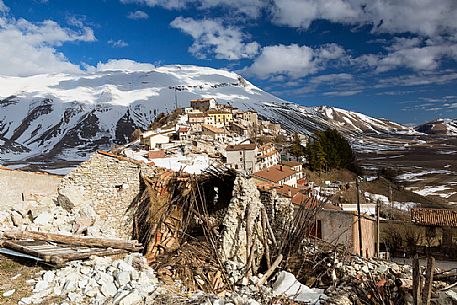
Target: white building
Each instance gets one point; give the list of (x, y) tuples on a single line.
[(242, 157), (267, 156), (153, 140)]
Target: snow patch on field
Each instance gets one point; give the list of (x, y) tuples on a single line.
[(433, 191), (404, 206), (412, 177)]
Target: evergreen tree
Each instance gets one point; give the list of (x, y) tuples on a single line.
[(330, 150)]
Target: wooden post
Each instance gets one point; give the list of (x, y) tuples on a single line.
[(427, 290), (270, 271), (378, 205), (416, 281), (359, 220)]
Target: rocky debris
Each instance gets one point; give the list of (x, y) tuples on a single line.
[(100, 280), (47, 216)]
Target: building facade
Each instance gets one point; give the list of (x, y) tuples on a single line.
[(242, 157)]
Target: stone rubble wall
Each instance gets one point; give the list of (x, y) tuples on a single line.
[(280, 211), (245, 198), (106, 184)]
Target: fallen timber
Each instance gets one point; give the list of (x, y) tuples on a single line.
[(58, 249)]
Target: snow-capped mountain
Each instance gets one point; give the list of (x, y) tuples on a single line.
[(62, 116), (440, 127)]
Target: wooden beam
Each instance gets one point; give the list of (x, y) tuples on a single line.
[(11, 245), (427, 290), (416, 281), (130, 245)]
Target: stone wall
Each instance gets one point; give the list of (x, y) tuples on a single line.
[(34, 186), (107, 184), (243, 211), (280, 211)]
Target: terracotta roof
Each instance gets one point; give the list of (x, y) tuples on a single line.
[(292, 163), (434, 217), (284, 190), (183, 129), (212, 128), (156, 154), (274, 173), (240, 147), (299, 199)]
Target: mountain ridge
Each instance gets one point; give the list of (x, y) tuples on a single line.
[(66, 117)]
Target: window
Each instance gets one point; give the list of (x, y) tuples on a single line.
[(241, 159)]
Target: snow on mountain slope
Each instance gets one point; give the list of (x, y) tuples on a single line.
[(440, 126), (62, 116)]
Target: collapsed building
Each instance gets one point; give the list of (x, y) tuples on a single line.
[(220, 212)]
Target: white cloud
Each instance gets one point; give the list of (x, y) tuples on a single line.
[(413, 53), (138, 15), (293, 60), (30, 48), (121, 65), (342, 93), (424, 17), (168, 4), (3, 7), (213, 37), (331, 78), (300, 13), (251, 8), (118, 43)]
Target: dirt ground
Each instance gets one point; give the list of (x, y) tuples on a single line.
[(13, 275)]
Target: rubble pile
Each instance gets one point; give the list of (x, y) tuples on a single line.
[(46, 215), (365, 278), (100, 280)]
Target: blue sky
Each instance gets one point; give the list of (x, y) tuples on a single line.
[(392, 59)]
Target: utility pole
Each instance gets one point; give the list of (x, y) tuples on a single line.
[(176, 99), (378, 205), (359, 220), (390, 196)]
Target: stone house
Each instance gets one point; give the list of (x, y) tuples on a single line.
[(203, 104), (214, 133), (239, 129), (248, 118), (341, 227), (277, 174), (152, 139), (439, 225), (242, 157), (196, 120), (183, 133)]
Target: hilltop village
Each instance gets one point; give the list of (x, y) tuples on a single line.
[(208, 134), (215, 205)]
